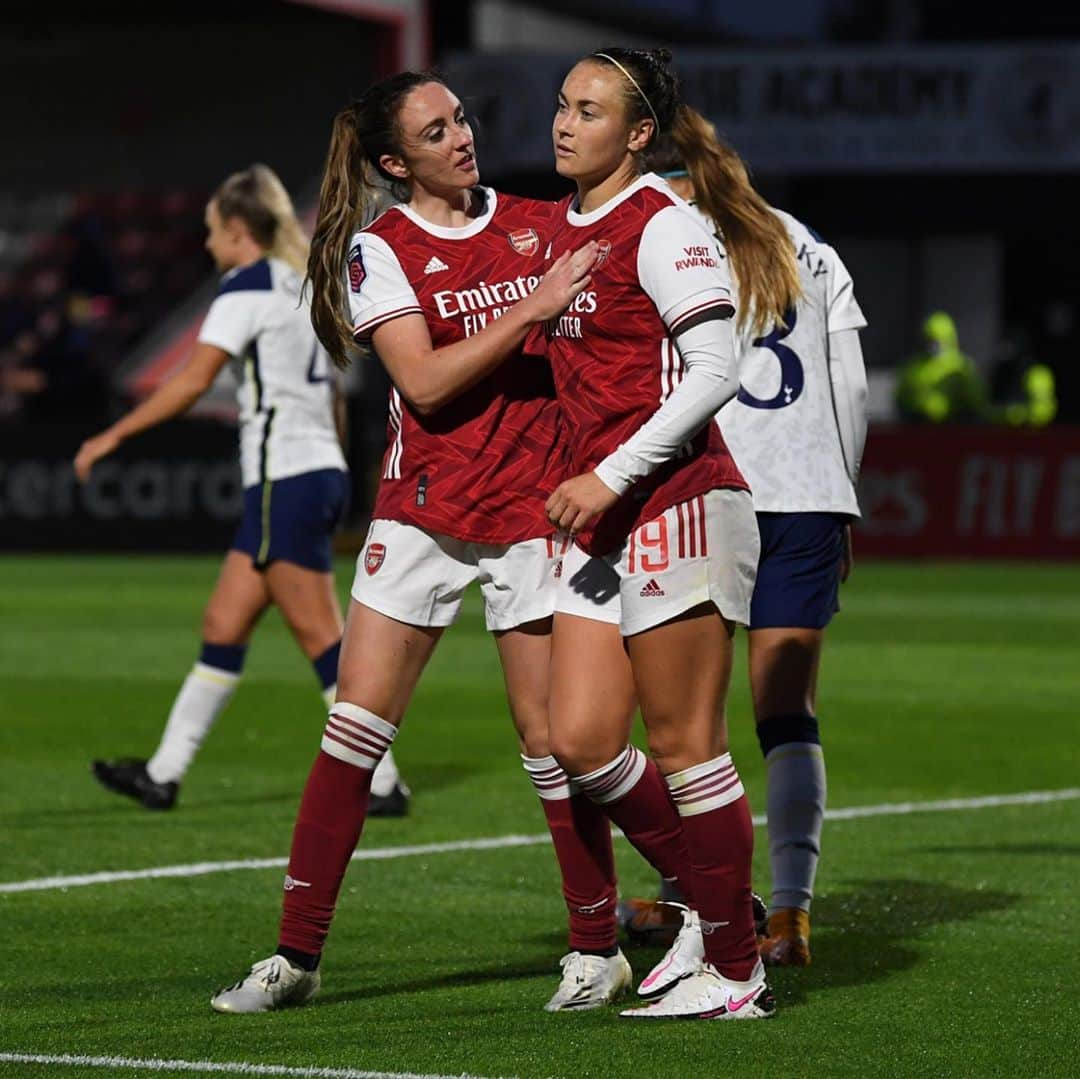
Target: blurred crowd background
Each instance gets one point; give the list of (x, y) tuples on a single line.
[(936, 146)]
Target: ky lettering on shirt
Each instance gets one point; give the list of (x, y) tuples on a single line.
[(481, 468), (613, 353)]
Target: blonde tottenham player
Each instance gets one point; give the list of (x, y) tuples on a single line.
[(796, 428), (293, 473), (665, 540), (444, 287)]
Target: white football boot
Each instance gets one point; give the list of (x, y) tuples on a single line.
[(270, 984), (709, 995), (686, 956), (590, 981)]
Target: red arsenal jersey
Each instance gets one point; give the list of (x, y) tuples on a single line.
[(613, 353), (480, 468)]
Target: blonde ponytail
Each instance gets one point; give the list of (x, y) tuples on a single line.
[(259, 199), (761, 252), (290, 243)]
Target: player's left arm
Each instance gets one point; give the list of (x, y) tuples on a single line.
[(695, 304), (171, 398), (710, 381), (847, 373), (847, 377)]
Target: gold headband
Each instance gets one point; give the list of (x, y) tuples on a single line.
[(648, 104)]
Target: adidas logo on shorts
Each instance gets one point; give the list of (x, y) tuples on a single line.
[(652, 589), (435, 264)]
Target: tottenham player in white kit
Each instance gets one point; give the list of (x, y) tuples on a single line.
[(796, 428), (293, 472)]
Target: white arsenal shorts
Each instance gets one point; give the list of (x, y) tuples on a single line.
[(419, 577), (700, 550)]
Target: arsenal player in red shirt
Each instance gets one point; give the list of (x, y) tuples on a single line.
[(444, 288), (666, 542)]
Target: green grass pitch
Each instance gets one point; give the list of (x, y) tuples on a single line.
[(945, 943)]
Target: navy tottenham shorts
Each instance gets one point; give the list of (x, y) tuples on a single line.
[(798, 577), (293, 520)]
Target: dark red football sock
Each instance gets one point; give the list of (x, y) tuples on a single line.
[(328, 826), (635, 797), (720, 838), (581, 835)]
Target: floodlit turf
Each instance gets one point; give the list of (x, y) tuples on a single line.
[(944, 943)]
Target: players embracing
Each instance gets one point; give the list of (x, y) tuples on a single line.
[(444, 286)]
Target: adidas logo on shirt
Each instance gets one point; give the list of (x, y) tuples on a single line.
[(652, 589), (435, 265)]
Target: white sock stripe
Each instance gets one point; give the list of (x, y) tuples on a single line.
[(692, 790), (705, 786), (542, 766), (356, 736), (554, 792), (696, 771), (615, 780), (335, 748), (729, 795), (355, 714), (706, 793), (215, 674), (689, 792), (359, 735), (599, 781), (549, 778)]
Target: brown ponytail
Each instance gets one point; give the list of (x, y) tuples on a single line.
[(761, 252), (362, 133), (343, 198)]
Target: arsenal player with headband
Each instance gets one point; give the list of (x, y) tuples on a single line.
[(666, 544), (797, 428), (444, 287)]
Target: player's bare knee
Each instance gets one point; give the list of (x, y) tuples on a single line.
[(673, 749), (531, 724), (582, 752), (313, 639), (220, 626)]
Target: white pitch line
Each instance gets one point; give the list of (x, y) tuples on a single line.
[(952, 805), (198, 869), (230, 1067)]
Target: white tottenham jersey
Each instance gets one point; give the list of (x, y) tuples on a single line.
[(781, 426), (285, 377)]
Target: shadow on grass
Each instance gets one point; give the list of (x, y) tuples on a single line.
[(865, 934), (458, 979), (861, 935)]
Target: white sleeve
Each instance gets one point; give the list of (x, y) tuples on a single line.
[(378, 288), (682, 269), (708, 352), (231, 322), (844, 311), (848, 376)]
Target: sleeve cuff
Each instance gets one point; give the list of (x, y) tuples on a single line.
[(611, 475)]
